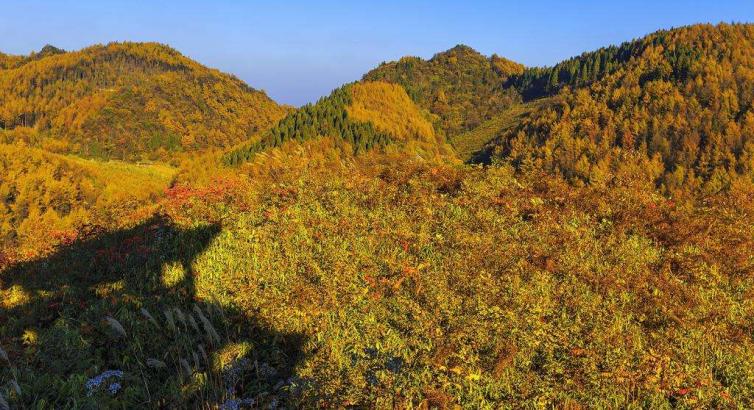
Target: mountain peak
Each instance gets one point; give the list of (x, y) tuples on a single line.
[(459, 51), (49, 49)]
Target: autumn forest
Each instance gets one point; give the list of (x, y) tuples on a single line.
[(461, 231)]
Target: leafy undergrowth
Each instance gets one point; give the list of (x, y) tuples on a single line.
[(385, 281)]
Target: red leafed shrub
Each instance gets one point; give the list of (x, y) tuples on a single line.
[(65, 237), (210, 203)]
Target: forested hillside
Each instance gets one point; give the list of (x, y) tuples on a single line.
[(126, 101), (48, 198), (685, 98), (365, 115), (462, 87)]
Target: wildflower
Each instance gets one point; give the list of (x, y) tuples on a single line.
[(265, 371), (113, 388), (231, 404), (95, 382), (232, 371)]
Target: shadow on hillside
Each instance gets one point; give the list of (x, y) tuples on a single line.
[(483, 157), (116, 274)]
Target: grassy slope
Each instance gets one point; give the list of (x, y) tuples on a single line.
[(386, 281), (470, 145), (124, 178)]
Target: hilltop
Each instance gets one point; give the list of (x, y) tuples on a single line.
[(460, 86), (127, 101)]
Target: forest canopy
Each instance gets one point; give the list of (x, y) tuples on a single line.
[(127, 101), (682, 96)]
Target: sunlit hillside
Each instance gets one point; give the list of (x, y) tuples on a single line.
[(127, 101), (458, 232), (368, 115), (682, 96), (47, 198), (461, 86)]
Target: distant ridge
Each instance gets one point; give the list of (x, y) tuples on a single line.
[(127, 101), (460, 86)]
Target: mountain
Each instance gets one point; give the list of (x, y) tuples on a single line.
[(682, 96), (365, 115), (460, 86), (127, 101)]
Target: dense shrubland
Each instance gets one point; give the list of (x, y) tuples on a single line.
[(392, 281)]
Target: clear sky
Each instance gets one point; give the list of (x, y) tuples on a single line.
[(298, 51)]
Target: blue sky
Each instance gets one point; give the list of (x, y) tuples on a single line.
[(298, 51)]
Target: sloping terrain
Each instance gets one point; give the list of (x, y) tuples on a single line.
[(127, 101), (684, 97), (343, 257), (364, 115), (460, 86), (472, 146), (47, 198), (383, 280)]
